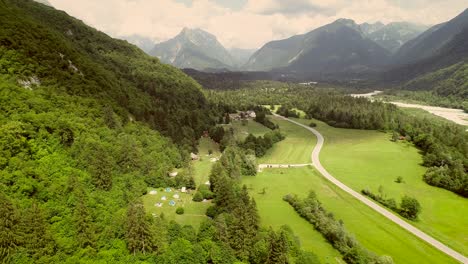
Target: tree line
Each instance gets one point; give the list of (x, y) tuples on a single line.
[(333, 230), (409, 206)]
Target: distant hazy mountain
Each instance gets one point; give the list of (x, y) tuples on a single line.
[(337, 47), (144, 43), (368, 28), (428, 43), (193, 48), (393, 35), (241, 56)]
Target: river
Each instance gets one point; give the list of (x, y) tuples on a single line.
[(455, 115)]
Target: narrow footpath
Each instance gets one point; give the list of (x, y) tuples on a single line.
[(389, 215)]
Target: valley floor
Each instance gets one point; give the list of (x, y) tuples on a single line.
[(440, 218), (368, 159)]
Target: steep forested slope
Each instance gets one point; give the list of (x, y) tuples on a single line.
[(38, 42), (428, 43), (445, 72), (73, 155)]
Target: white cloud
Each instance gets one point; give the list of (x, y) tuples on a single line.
[(252, 25)]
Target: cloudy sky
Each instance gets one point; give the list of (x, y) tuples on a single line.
[(247, 23)]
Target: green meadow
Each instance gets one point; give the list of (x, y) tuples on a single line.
[(372, 230), (251, 127), (294, 149), (368, 159)]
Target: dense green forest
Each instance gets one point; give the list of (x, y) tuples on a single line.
[(444, 145), (327, 104), (51, 48), (69, 167)]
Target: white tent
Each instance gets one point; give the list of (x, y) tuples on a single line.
[(176, 196), (163, 198), (183, 189), (153, 192), (193, 156)]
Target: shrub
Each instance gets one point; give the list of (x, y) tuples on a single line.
[(205, 191), (211, 211), (180, 211), (312, 124), (399, 179), (410, 207), (198, 197)]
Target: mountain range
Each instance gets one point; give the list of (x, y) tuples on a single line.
[(193, 48), (410, 55), (337, 47), (341, 46), (393, 35)]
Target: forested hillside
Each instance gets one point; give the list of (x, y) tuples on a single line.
[(442, 69), (43, 44), (71, 156), (68, 169)]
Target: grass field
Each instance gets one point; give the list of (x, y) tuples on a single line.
[(371, 229), (194, 211), (276, 213), (368, 159), (252, 127), (294, 149)]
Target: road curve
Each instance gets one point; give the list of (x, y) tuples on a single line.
[(410, 228)]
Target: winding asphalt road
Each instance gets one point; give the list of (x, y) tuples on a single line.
[(415, 231)]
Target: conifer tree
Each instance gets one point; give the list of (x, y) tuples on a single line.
[(84, 223), (10, 233), (38, 241), (138, 234), (101, 168), (278, 248)]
